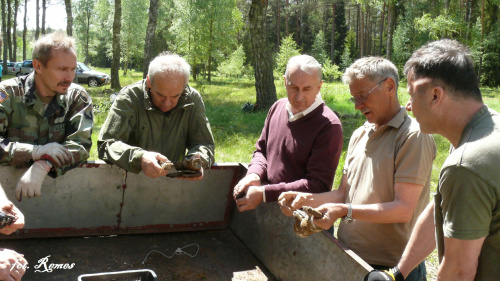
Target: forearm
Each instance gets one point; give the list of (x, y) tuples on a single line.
[(15, 153), (206, 153), (303, 185), (451, 272), (422, 242), (390, 212), (121, 154)]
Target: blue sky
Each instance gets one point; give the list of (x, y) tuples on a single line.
[(55, 15)]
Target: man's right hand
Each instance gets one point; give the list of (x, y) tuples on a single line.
[(150, 166), (8, 208), (57, 153), (292, 200), (251, 179), (12, 265), (392, 274)]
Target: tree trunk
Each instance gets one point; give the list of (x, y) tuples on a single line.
[(264, 80), (44, 11), (381, 30), (37, 18), (446, 5), (4, 40), (298, 23), (362, 34), (150, 35), (332, 50), (25, 28), (9, 28), (210, 50), (391, 14), (482, 37), (286, 15), (69, 18), (87, 35), (358, 12), (115, 63), (278, 26), (14, 28)]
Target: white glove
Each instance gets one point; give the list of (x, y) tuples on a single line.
[(30, 184), (59, 155)]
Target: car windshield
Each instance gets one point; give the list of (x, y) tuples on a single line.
[(84, 67)]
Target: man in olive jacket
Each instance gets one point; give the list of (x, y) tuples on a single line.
[(157, 119)]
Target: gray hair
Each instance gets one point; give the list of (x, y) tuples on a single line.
[(306, 63), (373, 68), (167, 63), (449, 64), (42, 50)]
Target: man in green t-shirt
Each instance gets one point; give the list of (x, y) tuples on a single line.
[(446, 100)]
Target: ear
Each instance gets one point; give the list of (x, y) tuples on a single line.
[(37, 66), (149, 82), (320, 84), (437, 96), (390, 86), (284, 78)]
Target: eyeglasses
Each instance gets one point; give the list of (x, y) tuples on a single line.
[(363, 98)]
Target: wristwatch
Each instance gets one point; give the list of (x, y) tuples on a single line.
[(50, 164), (348, 218)]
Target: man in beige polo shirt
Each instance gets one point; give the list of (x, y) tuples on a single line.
[(386, 176)]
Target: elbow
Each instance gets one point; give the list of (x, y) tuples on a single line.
[(405, 216)]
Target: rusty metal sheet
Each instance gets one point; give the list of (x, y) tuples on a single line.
[(101, 199), (269, 235)]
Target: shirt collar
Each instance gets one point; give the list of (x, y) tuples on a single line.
[(472, 122), (56, 105), (395, 122), (292, 117)]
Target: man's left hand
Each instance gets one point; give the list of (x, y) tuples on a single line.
[(253, 197), (30, 184), (331, 212)]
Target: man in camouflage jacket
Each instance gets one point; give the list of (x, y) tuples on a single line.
[(45, 120)]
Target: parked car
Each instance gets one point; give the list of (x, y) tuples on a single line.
[(26, 68), (85, 75), (10, 67), (17, 68)]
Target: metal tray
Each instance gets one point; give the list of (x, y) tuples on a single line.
[(128, 275)]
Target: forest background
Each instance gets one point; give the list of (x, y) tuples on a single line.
[(229, 36)]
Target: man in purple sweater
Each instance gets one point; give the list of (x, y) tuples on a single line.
[(300, 144)]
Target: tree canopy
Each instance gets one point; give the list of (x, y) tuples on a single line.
[(215, 35)]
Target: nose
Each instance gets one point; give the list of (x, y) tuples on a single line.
[(408, 105), (299, 96), (169, 102), (358, 104)]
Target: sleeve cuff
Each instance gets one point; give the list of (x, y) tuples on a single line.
[(23, 152)]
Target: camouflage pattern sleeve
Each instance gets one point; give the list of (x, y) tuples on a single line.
[(200, 139), (79, 123), (112, 143), (7, 148), (14, 150)]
